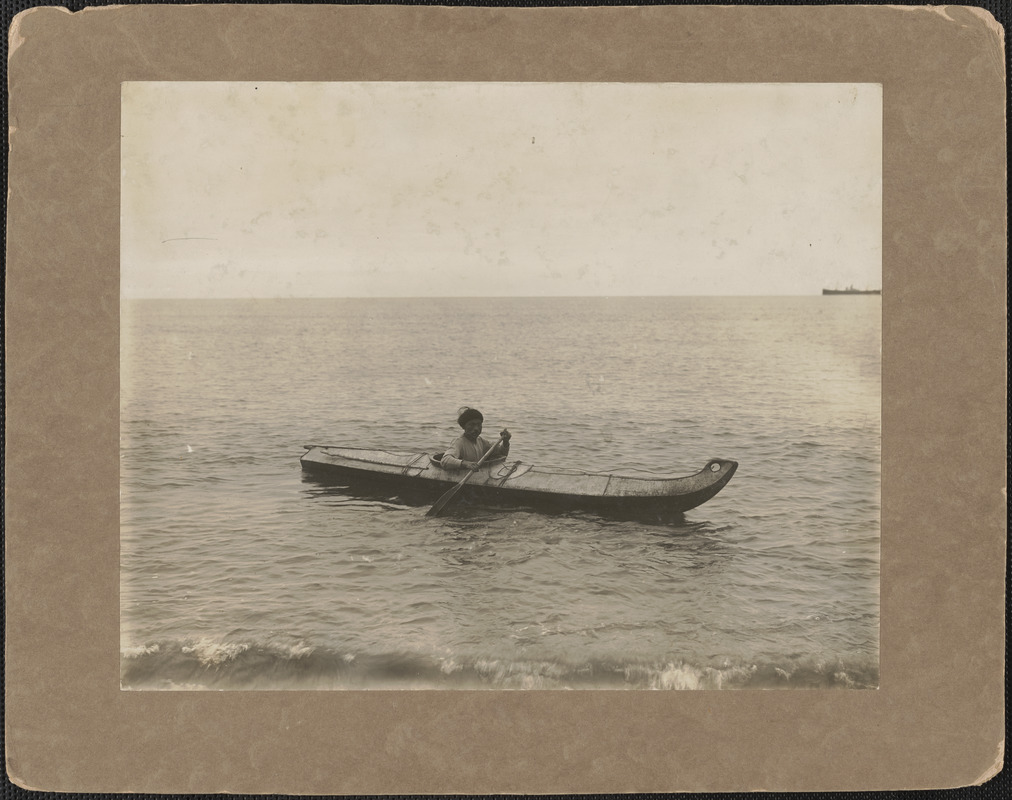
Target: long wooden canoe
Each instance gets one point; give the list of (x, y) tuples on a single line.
[(508, 482)]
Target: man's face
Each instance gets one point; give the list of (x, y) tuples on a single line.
[(472, 428)]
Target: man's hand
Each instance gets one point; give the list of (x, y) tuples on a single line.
[(469, 464), (506, 435)]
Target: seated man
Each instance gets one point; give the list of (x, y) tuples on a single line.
[(466, 450)]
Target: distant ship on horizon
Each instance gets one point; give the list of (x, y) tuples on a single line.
[(851, 290)]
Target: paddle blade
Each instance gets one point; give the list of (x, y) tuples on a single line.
[(441, 503)]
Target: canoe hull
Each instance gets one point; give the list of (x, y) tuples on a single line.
[(417, 478)]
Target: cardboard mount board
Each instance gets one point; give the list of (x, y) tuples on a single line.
[(937, 720)]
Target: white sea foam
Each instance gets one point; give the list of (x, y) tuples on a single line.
[(210, 652), (448, 666), (300, 650), (677, 676), (140, 650)]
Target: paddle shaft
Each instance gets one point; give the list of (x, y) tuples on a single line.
[(441, 503)]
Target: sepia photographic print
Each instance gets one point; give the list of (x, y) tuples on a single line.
[(283, 282), (452, 385)]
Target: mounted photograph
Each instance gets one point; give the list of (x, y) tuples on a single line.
[(500, 386)]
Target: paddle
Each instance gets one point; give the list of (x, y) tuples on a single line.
[(441, 503)]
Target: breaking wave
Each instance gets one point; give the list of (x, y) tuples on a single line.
[(204, 664)]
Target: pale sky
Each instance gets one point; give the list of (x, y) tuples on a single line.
[(499, 189)]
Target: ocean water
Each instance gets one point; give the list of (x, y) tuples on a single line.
[(240, 572)]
